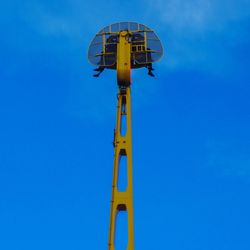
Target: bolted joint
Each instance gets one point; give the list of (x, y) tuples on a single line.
[(122, 89)]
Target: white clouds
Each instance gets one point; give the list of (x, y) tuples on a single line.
[(188, 29), (50, 21), (181, 14), (198, 34), (199, 14)]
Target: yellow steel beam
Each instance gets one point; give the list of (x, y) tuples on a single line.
[(123, 200), (123, 59)]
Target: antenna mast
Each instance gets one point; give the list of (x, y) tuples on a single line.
[(123, 200), (123, 46)]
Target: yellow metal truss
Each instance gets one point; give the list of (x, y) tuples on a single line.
[(123, 200)]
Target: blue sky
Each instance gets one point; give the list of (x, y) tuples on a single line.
[(191, 137)]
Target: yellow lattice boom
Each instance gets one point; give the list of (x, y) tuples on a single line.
[(124, 46)]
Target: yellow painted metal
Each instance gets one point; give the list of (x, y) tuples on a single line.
[(122, 200), (124, 59)]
